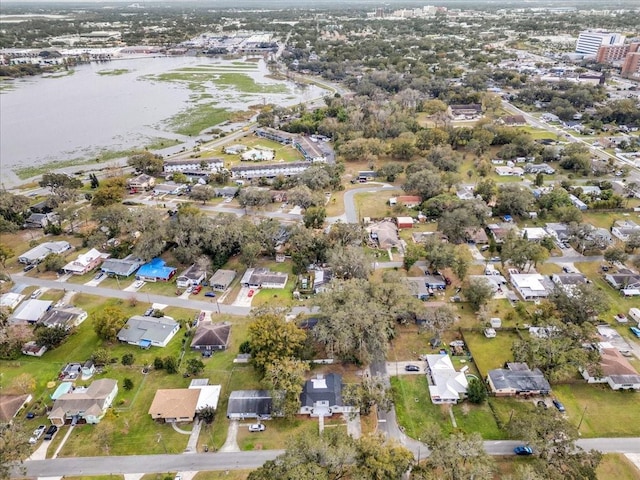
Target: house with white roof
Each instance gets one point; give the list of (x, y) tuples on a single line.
[(85, 262), (10, 300), (623, 229), (446, 385), (42, 251), (531, 286), (534, 234), (30, 311)]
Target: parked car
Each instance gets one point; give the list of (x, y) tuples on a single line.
[(138, 284), (257, 427), (148, 312), (210, 294), (28, 268), (98, 276), (37, 433), (31, 415), (412, 368), (558, 404), (36, 294), (523, 450), (635, 331), (250, 294), (196, 289), (50, 432)]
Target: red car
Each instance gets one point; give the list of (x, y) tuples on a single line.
[(196, 289), (250, 294)]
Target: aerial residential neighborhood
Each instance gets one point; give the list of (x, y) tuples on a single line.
[(367, 242)]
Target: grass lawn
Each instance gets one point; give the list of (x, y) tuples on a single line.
[(278, 432), (505, 408), (415, 411), (615, 466), (490, 353), (608, 413), (375, 205)]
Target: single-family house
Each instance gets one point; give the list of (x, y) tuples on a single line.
[(226, 192), (623, 229), (10, 406), (417, 287), (517, 380), (366, 175), (40, 220), (614, 370), (121, 267), (507, 171), (621, 281), (579, 204), (211, 336), (30, 311), (169, 189), (592, 190), (245, 404), (385, 234), (500, 231), (85, 404), (409, 201), (263, 278), (531, 286), (10, 300), (568, 281), (446, 385), (221, 280), (322, 396), (558, 231), (194, 275), (435, 282), (156, 270), (535, 168), (42, 251), (209, 394), (534, 234), (513, 120), (465, 112), (67, 317), (285, 169), (173, 405), (33, 349), (476, 236), (141, 182), (85, 262), (148, 331)]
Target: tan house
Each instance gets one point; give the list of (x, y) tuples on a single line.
[(175, 405), (10, 406), (86, 405)]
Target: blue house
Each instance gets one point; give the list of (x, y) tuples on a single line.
[(156, 270)]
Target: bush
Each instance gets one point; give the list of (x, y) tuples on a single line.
[(127, 384), (158, 363), (128, 359)]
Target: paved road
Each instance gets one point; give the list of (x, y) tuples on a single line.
[(85, 466), (142, 296), (350, 210)]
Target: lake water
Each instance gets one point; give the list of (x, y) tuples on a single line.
[(76, 116)]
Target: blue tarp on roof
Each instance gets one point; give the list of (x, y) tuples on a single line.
[(156, 268)]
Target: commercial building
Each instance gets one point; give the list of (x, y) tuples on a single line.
[(589, 42), (631, 66)]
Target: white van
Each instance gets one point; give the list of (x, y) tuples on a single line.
[(635, 314), (36, 294)]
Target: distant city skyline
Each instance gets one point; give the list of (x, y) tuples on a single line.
[(301, 4)]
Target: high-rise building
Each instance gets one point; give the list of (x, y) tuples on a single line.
[(631, 65), (612, 53), (589, 42)]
